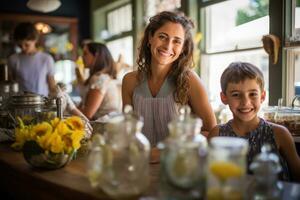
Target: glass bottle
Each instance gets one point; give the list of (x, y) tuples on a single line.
[(265, 167), (227, 167), (119, 162), (183, 159)]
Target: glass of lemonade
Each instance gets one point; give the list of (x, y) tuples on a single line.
[(227, 166)]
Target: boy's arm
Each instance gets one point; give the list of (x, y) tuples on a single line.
[(213, 133), (287, 149)]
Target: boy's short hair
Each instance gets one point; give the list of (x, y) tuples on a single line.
[(240, 71), (25, 31)]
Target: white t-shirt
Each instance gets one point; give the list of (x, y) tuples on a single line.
[(31, 71), (109, 88)]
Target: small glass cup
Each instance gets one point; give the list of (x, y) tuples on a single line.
[(227, 167)]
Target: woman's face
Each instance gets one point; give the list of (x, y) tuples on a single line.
[(87, 57), (166, 44)]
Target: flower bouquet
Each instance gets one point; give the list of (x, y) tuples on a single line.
[(50, 144)]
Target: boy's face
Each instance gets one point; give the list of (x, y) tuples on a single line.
[(27, 46), (244, 99)]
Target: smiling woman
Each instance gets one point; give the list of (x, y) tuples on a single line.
[(164, 80)]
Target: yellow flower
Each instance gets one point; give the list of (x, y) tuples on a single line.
[(75, 122), (57, 145), (56, 136), (44, 141), (76, 138), (63, 128), (54, 122), (41, 129), (69, 46), (22, 135)]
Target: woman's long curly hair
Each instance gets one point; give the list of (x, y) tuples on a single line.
[(104, 61), (180, 67)]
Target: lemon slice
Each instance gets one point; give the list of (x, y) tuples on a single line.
[(224, 170)]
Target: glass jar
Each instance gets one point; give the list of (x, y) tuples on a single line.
[(266, 167), (49, 109), (26, 106), (119, 160), (183, 159), (227, 166)]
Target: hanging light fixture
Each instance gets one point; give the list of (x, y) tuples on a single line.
[(43, 5)]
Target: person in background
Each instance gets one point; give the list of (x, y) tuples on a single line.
[(100, 93), (243, 90), (164, 80), (32, 69)]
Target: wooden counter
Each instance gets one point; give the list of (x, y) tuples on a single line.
[(21, 181), (70, 182)]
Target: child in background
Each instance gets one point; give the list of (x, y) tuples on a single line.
[(32, 69), (243, 90)]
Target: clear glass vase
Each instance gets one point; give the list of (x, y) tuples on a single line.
[(183, 159), (227, 168), (119, 160)]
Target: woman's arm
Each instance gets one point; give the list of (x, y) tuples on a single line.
[(128, 84), (199, 103), (93, 101), (287, 149), (213, 133)]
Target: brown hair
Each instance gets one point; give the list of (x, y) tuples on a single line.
[(104, 61), (25, 31), (240, 71), (180, 68)]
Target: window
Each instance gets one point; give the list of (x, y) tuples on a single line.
[(116, 31), (292, 50), (119, 20), (155, 6), (297, 18), (233, 31)]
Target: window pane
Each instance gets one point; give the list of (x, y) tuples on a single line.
[(153, 7), (236, 24), (296, 56), (122, 47), (214, 65), (297, 14), (119, 20)]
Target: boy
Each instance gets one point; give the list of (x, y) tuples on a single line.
[(32, 69), (243, 90)]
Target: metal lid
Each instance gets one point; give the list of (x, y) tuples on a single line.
[(27, 99)]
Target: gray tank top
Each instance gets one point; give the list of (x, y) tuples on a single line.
[(157, 111)]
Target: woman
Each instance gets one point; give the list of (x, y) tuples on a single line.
[(164, 79), (100, 93)]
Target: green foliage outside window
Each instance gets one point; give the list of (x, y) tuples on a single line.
[(255, 10)]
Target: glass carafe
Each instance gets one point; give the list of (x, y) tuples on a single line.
[(119, 160), (183, 159), (266, 167), (227, 166)]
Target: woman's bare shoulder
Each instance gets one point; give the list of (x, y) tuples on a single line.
[(130, 81)]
